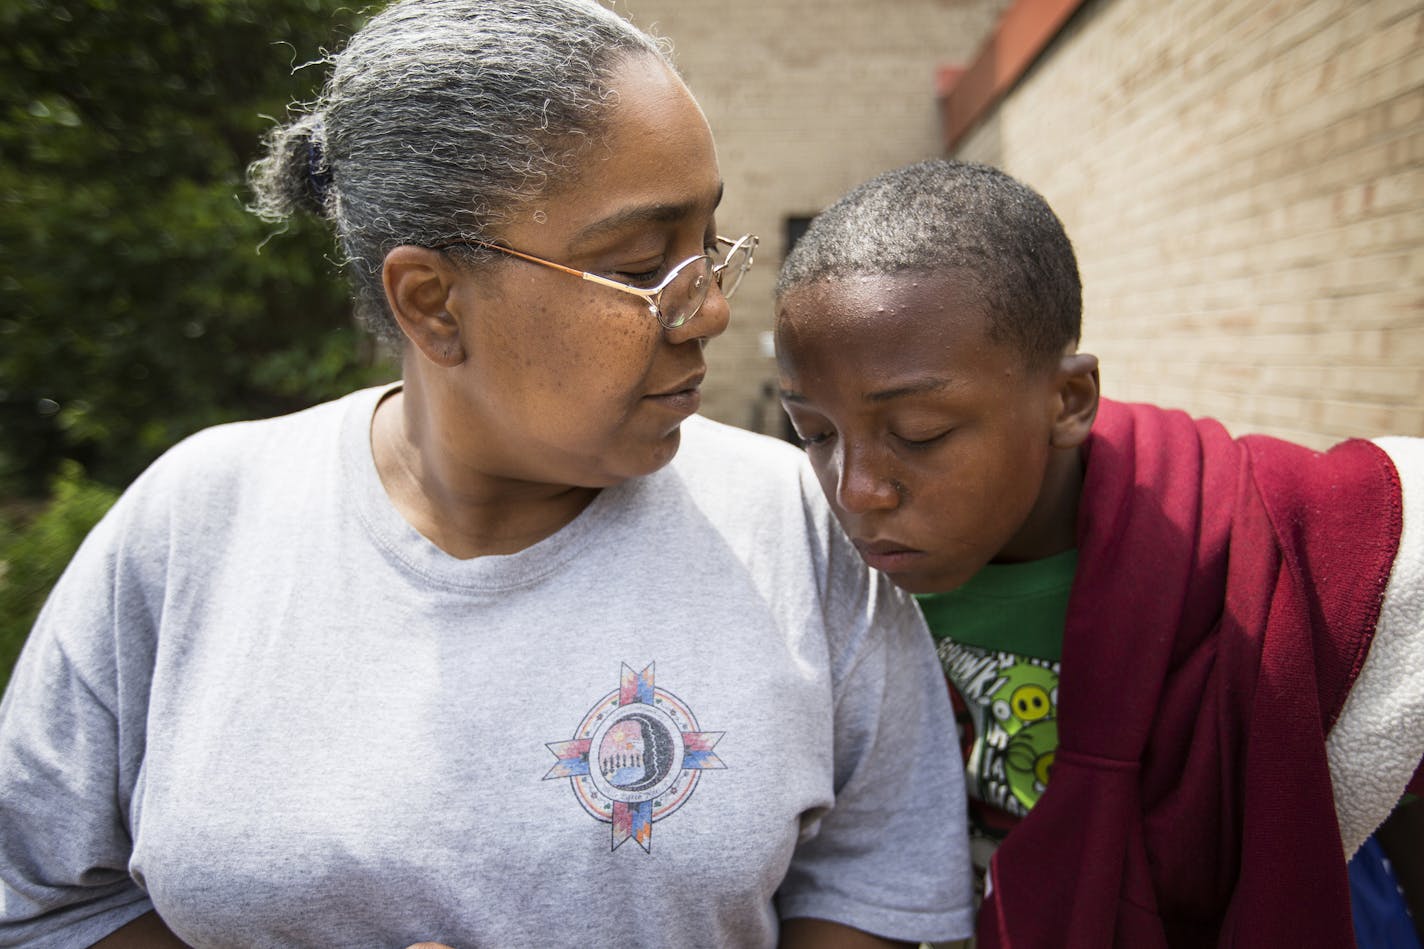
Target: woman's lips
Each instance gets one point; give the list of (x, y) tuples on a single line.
[(683, 401), (684, 397)]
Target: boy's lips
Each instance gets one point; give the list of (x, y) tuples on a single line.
[(887, 556)]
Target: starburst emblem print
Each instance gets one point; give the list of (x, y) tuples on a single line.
[(635, 758)]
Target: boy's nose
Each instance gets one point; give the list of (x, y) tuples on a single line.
[(864, 486)]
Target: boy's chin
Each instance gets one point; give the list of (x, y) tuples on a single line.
[(932, 582)]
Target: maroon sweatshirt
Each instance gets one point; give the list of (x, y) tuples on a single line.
[(1226, 595)]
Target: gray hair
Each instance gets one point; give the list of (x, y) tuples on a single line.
[(945, 215), (439, 119)]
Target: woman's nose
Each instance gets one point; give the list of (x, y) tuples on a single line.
[(708, 322)]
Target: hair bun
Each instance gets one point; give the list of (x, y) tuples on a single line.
[(294, 174), (318, 171)]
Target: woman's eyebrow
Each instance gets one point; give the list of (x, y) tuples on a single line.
[(628, 217), (661, 213)]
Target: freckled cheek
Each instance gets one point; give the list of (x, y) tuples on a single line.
[(586, 352), (611, 353)]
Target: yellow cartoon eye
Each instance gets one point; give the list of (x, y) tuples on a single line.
[(1030, 703), (1043, 767)]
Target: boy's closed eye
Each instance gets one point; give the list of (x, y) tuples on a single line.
[(818, 439), (918, 440), (809, 430)]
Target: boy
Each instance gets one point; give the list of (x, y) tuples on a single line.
[(1214, 645)]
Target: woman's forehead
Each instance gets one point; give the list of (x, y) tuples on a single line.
[(654, 161)]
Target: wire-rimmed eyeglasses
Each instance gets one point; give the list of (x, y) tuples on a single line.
[(678, 296)]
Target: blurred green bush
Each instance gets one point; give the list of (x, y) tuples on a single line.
[(33, 555), (139, 300)]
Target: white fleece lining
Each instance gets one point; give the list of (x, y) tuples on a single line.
[(1378, 739)]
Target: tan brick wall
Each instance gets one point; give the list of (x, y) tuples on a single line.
[(806, 99), (1243, 181)]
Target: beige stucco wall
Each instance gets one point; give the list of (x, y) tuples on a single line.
[(1244, 183), (806, 98)]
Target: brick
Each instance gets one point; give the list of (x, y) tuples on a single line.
[(1365, 419), (1406, 111), (1385, 384), (1391, 42), (1270, 232), (1296, 381)]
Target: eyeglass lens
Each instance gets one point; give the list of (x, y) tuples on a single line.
[(738, 262), (684, 296)]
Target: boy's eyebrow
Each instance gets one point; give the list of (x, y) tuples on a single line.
[(918, 387), (641, 214)]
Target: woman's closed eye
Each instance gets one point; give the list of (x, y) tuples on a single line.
[(642, 273)]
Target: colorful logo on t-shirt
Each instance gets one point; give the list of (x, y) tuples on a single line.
[(1012, 703), (635, 758)]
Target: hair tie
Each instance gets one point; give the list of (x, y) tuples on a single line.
[(318, 174)]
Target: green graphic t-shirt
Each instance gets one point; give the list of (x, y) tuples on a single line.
[(1000, 637)]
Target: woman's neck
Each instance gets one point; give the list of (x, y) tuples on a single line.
[(462, 511)]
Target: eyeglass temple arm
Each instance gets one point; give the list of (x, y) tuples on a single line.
[(529, 257), (591, 277), (595, 278)]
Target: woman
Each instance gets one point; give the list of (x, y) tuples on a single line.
[(474, 658)]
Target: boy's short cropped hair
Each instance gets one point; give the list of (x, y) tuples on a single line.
[(942, 216)]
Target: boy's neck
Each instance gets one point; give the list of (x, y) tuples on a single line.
[(1052, 525)]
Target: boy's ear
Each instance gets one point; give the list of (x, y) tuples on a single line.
[(1077, 377), (419, 283)]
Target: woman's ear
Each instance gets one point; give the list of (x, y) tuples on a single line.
[(419, 283), (1078, 399)]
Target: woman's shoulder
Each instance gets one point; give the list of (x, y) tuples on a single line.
[(745, 469), (751, 480), (217, 466), (227, 456), (707, 441), (253, 442)]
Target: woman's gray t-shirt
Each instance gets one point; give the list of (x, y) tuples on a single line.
[(262, 703)]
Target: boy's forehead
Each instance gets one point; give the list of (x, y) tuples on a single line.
[(866, 329), (906, 302)]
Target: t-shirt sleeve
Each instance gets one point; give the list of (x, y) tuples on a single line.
[(890, 856), (67, 765), (1376, 744)]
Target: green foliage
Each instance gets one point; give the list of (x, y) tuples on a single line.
[(32, 557), (135, 304)]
